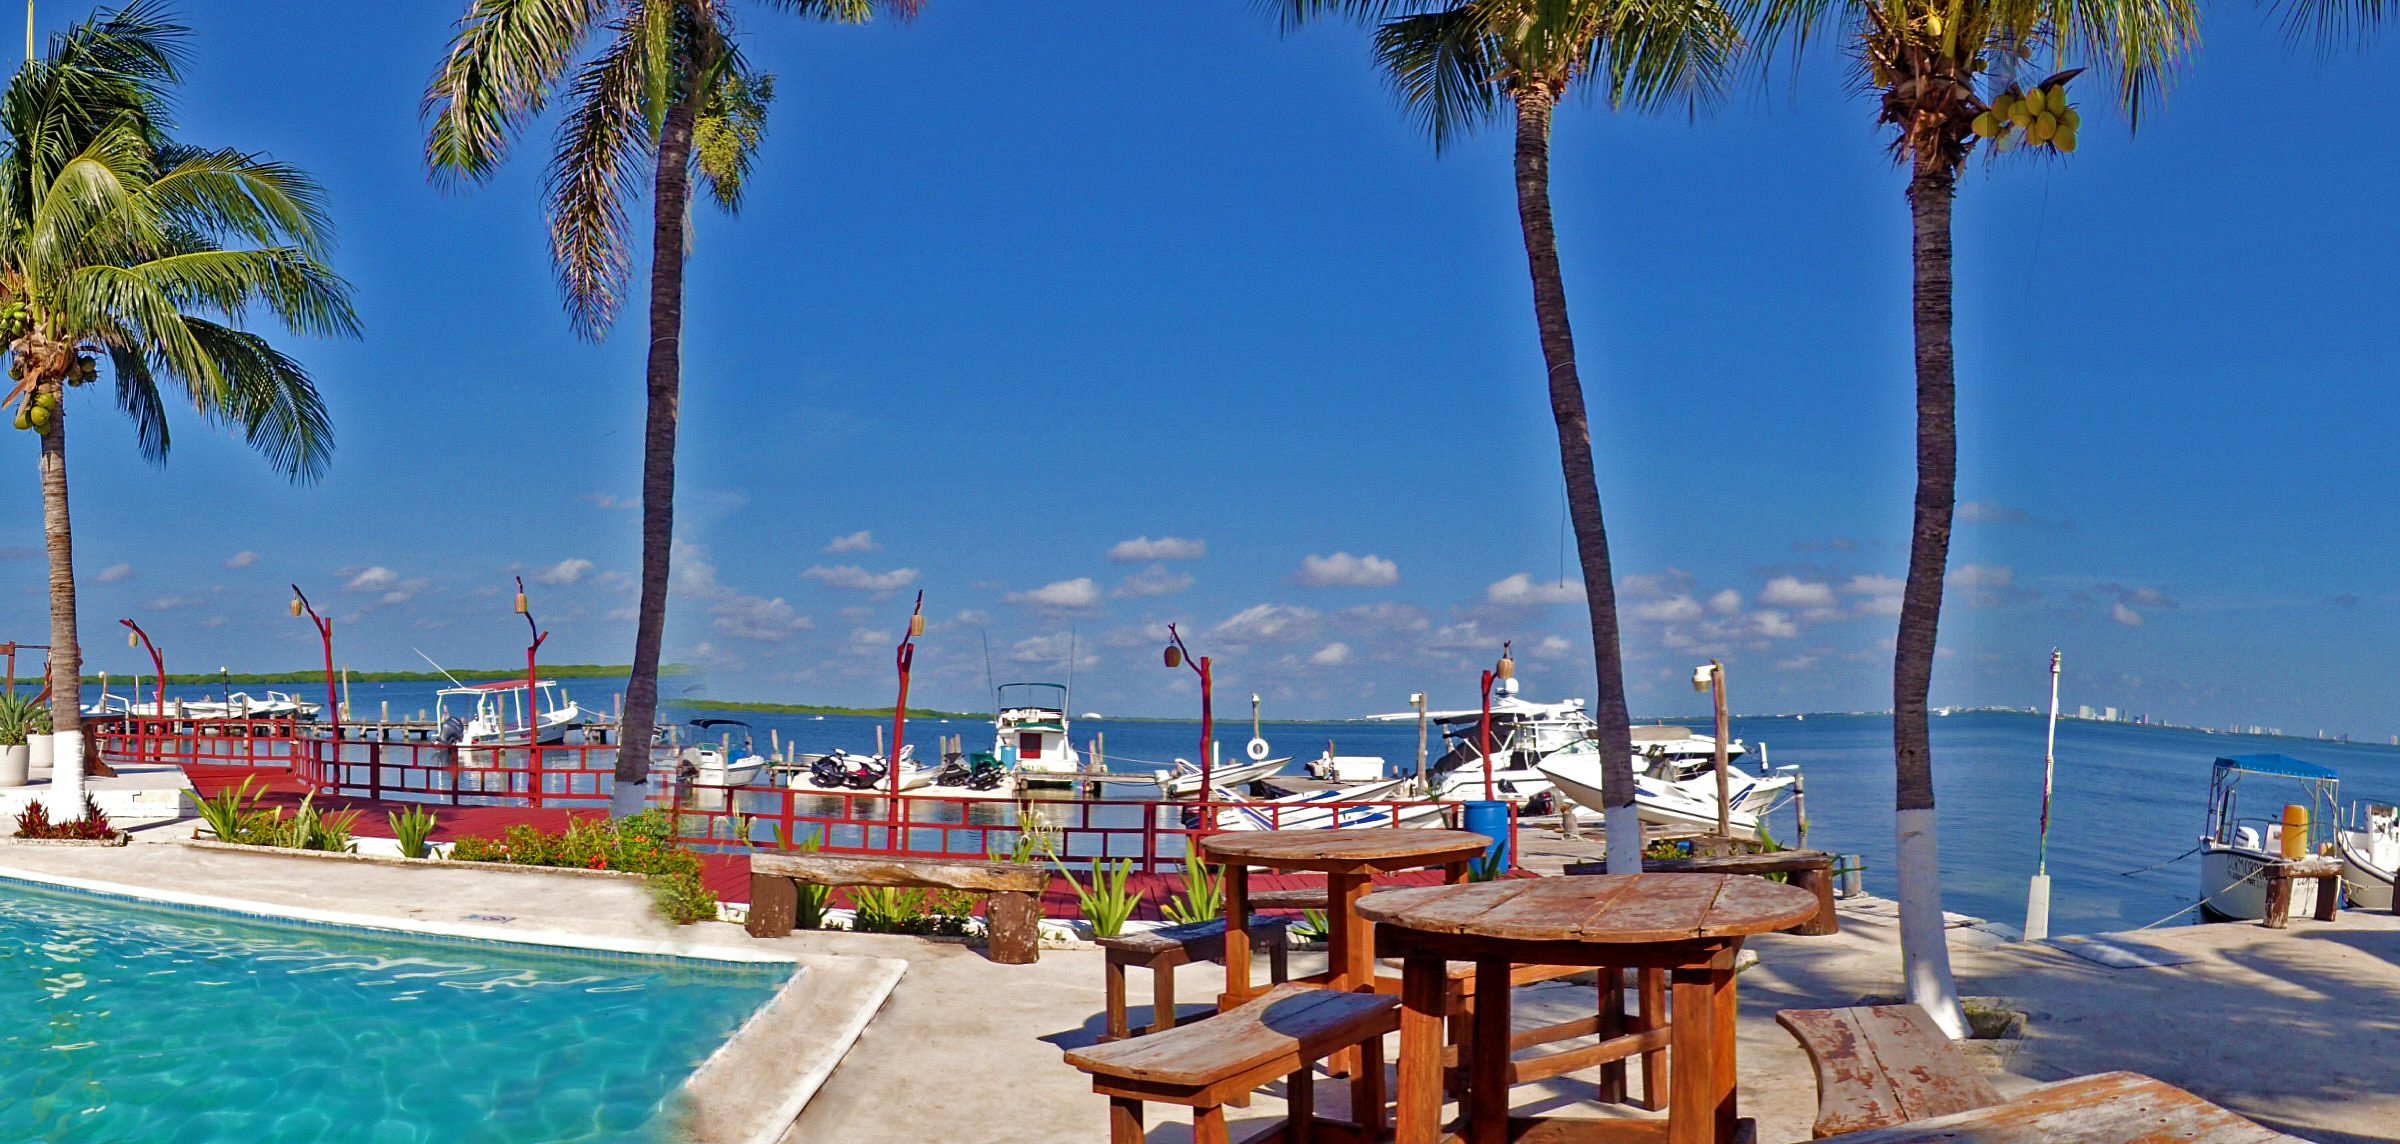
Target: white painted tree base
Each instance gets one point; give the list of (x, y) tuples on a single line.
[(625, 799), (66, 775), (1924, 940), (1624, 825), (2037, 908)]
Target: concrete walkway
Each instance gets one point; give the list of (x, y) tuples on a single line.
[(2299, 1029)]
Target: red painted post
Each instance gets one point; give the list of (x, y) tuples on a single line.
[(1178, 655), (135, 635), (905, 655)]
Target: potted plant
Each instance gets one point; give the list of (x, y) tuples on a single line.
[(16, 721), (38, 744)]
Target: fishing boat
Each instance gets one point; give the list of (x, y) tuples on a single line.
[(2235, 850), (2371, 856), (1030, 733), (1318, 810), (503, 713), (720, 764), (1185, 778), (1523, 733)]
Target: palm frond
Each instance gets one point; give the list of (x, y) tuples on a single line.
[(271, 398), (726, 136), (2137, 43), (228, 194), (595, 170), (137, 396), (1446, 67), (1656, 53), (504, 60), (2333, 22), (301, 293), (849, 11)]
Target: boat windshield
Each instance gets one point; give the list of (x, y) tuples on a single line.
[(1033, 697), (2276, 781)]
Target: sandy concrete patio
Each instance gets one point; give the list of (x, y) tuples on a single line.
[(2296, 1028)]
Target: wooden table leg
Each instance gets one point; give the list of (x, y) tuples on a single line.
[(1651, 1013), (1424, 1013), (1349, 951), (1237, 936), (1487, 1073), (1726, 1011), (1612, 1023), (1691, 1092)]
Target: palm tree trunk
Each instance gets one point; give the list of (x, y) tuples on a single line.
[(66, 651), (670, 203), (1534, 104), (1924, 948)]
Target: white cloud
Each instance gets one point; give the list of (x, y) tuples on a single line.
[(568, 571), (1774, 624), (612, 502), (857, 579), (242, 559), (1726, 603), (2126, 616), (1267, 622), (1331, 655), (1672, 610), (1143, 550), (1672, 582), (754, 618), (1521, 589), (171, 603), (1793, 592), (1796, 663), (1878, 595), (1156, 580), (860, 541), (1550, 647), (1053, 650), (116, 573), (1080, 592), (1982, 576), (1342, 570), (374, 579)]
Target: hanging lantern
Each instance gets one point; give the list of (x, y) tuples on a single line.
[(132, 638), (296, 606), (1507, 668), (916, 626), (1174, 656), (522, 607)]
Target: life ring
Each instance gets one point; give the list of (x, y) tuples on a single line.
[(1257, 749)]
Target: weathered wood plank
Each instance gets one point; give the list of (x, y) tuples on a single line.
[(863, 870), (1287, 1022), (2110, 1108), (1881, 1065), (1344, 851)]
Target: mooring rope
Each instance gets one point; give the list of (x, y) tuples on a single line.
[(2169, 862), (2203, 901)]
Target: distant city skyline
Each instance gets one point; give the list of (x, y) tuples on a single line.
[(1233, 348)]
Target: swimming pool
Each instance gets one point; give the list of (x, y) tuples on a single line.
[(125, 1021)]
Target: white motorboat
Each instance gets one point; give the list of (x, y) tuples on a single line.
[(503, 713), (722, 763), (2235, 850), (1523, 734), (2371, 857), (1676, 795), (1184, 778), (1323, 810), (275, 705), (1030, 733)]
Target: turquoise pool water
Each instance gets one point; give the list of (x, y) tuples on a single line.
[(126, 1022)]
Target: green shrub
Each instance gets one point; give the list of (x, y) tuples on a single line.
[(683, 899), (19, 718), (1203, 895), (1314, 926), (412, 829), (642, 844), (34, 822), (227, 813), (1106, 905)]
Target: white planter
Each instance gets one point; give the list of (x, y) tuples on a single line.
[(12, 765), (37, 767)]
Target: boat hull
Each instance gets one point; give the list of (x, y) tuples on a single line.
[(2368, 885), (2232, 887)]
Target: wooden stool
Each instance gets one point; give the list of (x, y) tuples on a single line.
[(1161, 950), (2325, 872), (1214, 1062)]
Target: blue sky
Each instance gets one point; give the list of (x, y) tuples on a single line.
[(1146, 313)]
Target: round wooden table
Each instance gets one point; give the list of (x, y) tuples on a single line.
[(1349, 859), (1691, 925)]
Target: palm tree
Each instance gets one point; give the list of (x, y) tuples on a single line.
[(119, 245), (1947, 74), (660, 81), (1457, 66)]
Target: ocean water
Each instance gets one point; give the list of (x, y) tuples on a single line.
[(120, 1021), (2127, 796)]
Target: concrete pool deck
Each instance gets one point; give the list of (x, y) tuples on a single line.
[(2296, 1028)]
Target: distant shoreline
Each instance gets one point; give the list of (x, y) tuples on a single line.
[(480, 674)]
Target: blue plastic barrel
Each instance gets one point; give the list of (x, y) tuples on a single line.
[(1490, 819)]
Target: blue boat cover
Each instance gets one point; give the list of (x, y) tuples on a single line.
[(2284, 765)]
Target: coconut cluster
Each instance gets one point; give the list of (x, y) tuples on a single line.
[(39, 411), (2036, 117), (15, 319)]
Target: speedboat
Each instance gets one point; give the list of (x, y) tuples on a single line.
[(1523, 733), (2235, 851), (1327, 809), (1185, 778), (1030, 733), (721, 764), (1677, 794), (2371, 857)]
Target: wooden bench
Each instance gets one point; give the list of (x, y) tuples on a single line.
[(2109, 1108), (1303, 898), (1220, 1060), (1012, 914), (1881, 1065), (1162, 950), (1810, 870), (2325, 872)]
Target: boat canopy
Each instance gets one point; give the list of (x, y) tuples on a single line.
[(494, 685), (2283, 765), (1033, 696)]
